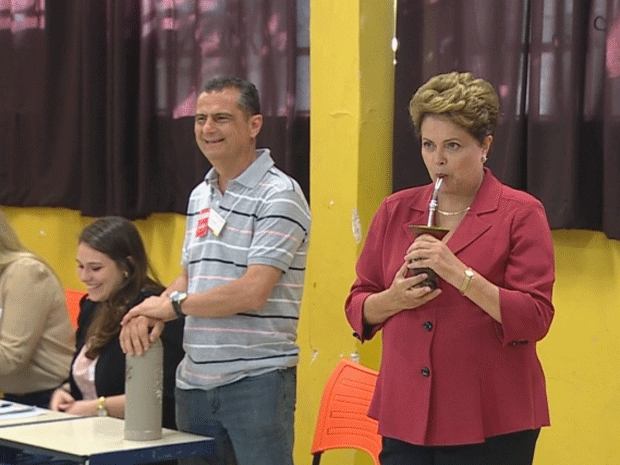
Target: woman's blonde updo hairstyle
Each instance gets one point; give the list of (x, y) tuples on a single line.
[(466, 101)]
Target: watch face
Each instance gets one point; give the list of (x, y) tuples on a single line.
[(178, 296)]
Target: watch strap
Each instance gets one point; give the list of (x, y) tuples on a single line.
[(176, 297), (176, 306)]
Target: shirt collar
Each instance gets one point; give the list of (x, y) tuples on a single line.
[(252, 174)]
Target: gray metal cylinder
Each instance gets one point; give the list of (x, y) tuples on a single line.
[(143, 394)]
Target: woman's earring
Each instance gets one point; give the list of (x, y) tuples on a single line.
[(126, 273), (484, 159)]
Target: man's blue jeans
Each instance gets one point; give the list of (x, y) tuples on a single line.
[(252, 420)]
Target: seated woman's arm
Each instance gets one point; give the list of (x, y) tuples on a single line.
[(62, 401)]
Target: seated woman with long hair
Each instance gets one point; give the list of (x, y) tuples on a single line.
[(112, 263)]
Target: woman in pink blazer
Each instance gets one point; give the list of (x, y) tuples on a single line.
[(460, 381)]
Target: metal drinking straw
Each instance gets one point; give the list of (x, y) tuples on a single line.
[(433, 205)]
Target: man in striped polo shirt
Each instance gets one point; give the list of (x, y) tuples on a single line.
[(244, 259)]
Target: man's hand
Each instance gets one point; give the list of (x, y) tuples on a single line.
[(138, 333), (158, 307)]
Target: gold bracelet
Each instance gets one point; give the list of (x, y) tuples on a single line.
[(101, 410), (469, 275)]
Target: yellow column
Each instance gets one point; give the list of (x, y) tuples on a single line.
[(350, 173)]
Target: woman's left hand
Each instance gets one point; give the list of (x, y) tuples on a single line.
[(429, 252)]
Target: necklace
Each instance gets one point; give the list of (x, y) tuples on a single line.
[(464, 210)]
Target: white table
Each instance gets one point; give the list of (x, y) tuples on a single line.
[(97, 440), (44, 416)]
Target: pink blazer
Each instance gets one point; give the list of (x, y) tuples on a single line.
[(450, 374)]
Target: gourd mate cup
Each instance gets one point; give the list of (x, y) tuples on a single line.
[(438, 233)]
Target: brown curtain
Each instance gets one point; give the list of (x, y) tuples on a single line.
[(552, 63), (22, 77), (97, 97)]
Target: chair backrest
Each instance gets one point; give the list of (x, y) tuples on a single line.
[(342, 421), (73, 304)]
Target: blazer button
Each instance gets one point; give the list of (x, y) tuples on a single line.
[(518, 343), (428, 325), (426, 372)]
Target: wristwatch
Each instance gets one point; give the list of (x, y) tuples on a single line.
[(469, 275), (101, 410), (177, 298)]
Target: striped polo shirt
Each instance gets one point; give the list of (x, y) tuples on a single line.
[(267, 222)]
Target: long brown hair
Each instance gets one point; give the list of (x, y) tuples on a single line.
[(119, 239)]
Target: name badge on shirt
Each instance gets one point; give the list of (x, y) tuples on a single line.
[(216, 223), (203, 223)]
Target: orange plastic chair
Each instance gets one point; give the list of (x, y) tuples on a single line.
[(342, 421), (73, 304)]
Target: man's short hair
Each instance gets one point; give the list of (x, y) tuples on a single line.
[(248, 95)]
